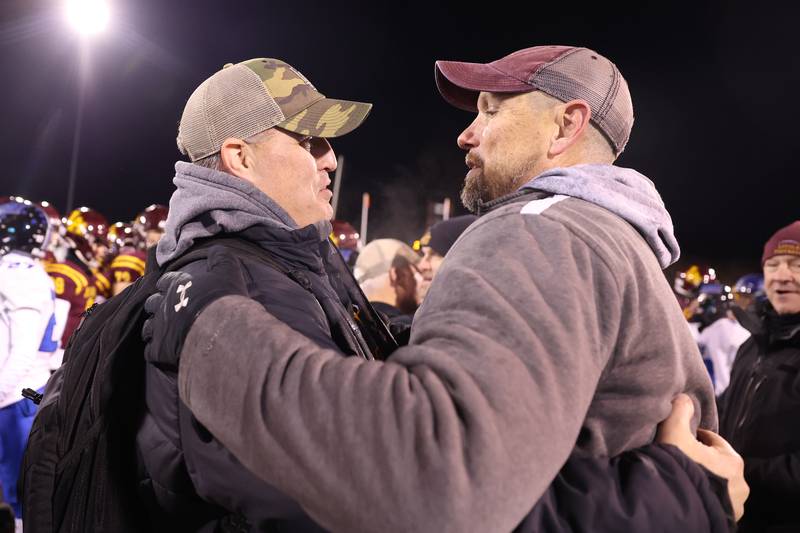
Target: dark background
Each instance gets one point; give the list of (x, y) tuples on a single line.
[(713, 84)]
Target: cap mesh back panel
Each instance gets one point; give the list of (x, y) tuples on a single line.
[(232, 103), (589, 76), (193, 137), (238, 105)]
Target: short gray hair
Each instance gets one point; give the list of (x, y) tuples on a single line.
[(214, 161)]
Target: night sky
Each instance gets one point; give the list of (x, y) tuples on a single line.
[(714, 91)]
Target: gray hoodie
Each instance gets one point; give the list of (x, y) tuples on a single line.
[(624, 192), (208, 202), (550, 327)]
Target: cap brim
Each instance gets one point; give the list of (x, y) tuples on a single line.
[(328, 117), (460, 83)]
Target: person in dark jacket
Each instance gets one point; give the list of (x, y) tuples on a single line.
[(256, 134), (386, 271), (435, 245), (760, 408)]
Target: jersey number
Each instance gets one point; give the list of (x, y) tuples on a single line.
[(59, 285)]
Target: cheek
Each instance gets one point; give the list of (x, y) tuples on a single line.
[(487, 138)]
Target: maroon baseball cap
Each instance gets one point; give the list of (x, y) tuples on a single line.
[(564, 72)]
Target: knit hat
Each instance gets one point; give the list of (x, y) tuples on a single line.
[(444, 234), (785, 241)]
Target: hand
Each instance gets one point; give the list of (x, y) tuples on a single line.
[(180, 299), (708, 449), (174, 293)]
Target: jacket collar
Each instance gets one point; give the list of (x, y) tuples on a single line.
[(486, 207), (768, 326)]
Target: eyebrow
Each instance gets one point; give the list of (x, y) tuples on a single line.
[(487, 99)]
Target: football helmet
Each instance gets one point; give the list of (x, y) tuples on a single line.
[(23, 227)]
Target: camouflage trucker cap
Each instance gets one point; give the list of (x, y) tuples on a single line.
[(563, 72), (255, 95)]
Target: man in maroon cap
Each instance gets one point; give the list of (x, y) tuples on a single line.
[(760, 408), (549, 336)]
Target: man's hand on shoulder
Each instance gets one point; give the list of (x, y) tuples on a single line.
[(181, 297), (708, 449)]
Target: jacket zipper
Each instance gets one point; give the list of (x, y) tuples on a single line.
[(750, 391)]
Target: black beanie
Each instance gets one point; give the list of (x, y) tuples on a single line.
[(445, 233)]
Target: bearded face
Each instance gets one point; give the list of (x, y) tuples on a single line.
[(506, 145)]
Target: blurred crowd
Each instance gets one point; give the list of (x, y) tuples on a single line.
[(52, 270)]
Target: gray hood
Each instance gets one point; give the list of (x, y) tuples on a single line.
[(624, 192), (209, 202)]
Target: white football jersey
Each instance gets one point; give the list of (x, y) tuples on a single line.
[(27, 326), (719, 343)]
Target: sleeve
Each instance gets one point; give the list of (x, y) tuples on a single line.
[(481, 409), (655, 488), (70, 287)]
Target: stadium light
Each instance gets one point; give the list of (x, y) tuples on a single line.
[(88, 17)]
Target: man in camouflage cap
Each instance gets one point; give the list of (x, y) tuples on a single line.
[(265, 106), (256, 189)]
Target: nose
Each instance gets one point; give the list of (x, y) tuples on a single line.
[(469, 137), (783, 273), (424, 265), (323, 153)]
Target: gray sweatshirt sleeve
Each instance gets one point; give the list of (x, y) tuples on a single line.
[(462, 430)]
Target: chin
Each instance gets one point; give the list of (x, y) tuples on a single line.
[(787, 308)]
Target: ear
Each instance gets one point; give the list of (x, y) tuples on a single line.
[(235, 158), (572, 119), (392, 276)]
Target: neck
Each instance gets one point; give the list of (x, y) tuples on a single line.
[(385, 294)]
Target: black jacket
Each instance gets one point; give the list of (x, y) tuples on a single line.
[(655, 488), (760, 410), (190, 481)]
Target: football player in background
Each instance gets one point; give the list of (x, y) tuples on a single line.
[(56, 252), (129, 256), (27, 323), (76, 280), (151, 223)]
